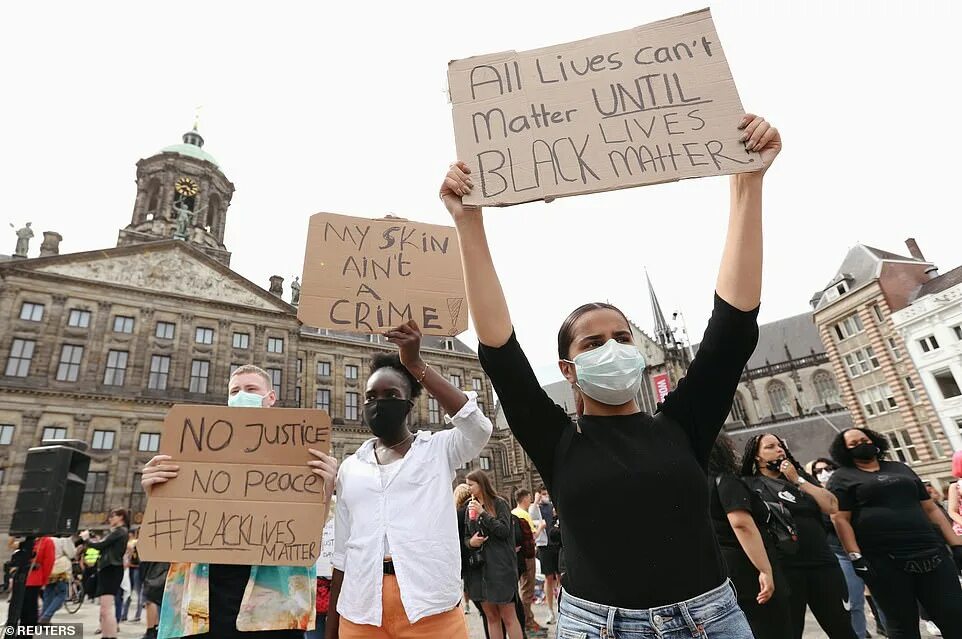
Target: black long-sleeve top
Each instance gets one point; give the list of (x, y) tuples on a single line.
[(112, 547), (631, 489)]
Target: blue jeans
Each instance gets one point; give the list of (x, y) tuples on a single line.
[(136, 588), (53, 597), (714, 614), (856, 594)]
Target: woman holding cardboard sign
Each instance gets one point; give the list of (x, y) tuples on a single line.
[(397, 564), (673, 578)]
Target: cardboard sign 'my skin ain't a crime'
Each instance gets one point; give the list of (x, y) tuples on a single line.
[(369, 275), (653, 104), (244, 493)]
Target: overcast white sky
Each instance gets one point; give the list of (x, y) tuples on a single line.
[(339, 106)]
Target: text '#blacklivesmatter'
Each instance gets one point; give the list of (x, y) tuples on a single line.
[(269, 539), (643, 106)]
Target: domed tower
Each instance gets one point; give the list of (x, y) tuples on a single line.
[(181, 194)]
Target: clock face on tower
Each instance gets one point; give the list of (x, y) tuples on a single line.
[(186, 187)]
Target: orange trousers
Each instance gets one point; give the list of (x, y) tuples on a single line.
[(395, 624)]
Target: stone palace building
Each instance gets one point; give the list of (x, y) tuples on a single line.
[(98, 345)]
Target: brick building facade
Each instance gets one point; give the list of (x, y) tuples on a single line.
[(878, 380)]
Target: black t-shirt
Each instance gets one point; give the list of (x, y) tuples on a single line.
[(813, 548), (886, 508), (730, 494), (656, 463), (226, 583)]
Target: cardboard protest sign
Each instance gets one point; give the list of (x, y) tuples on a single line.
[(652, 104), (244, 493), (368, 276)]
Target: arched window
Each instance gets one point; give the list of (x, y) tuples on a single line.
[(213, 213), (825, 387), (153, 199), (778, 397), (739, 414)]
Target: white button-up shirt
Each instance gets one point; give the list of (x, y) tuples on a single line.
[(415, 511)]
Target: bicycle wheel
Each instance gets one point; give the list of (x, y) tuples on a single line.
[(75, 597)]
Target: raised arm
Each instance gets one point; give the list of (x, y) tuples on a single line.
[(408, 339), (489, 310), (703, 399), (740, 274), (533, 417), (472, 428)]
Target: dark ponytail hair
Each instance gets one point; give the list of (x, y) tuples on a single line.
[(565, 336)]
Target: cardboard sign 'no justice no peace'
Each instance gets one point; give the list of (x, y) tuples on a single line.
[(653, 104), (244, 493)]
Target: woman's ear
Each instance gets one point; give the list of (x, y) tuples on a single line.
[(568, 370)]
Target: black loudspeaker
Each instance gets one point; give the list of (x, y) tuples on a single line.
[(52, 489)]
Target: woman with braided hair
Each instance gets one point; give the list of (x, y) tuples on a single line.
[(813, 574)]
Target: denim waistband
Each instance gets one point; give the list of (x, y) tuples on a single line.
[(690, 614)]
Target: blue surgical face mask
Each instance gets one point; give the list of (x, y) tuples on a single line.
[(610, 374), (245, 399)]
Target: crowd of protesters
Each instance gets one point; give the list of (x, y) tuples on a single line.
[(722, 546)]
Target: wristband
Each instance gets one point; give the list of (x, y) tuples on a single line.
[(802, 481)]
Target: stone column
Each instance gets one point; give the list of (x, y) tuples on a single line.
[(49, 341), (126, 461), (140, 202), (82, 427), (338, 387), (179, 376), (166, 193), (221, 359), (259, 346), (138, 361), (290, 361), (95, 344)]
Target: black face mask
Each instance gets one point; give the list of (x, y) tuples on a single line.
[(774, 464), (385, 417), (865, 451)]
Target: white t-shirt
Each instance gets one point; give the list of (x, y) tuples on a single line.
[(388, 471)]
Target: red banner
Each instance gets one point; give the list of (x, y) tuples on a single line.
[(662, 386)]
